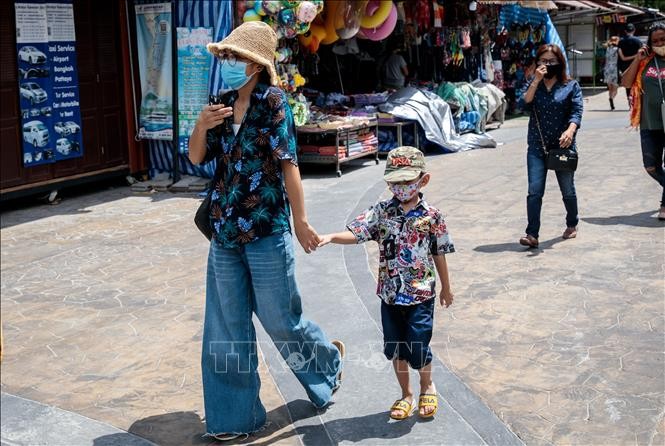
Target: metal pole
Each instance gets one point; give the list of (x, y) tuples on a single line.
[(339, 74), (174, 83)]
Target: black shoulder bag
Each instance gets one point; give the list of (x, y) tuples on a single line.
[(557, 158), (202, 216)]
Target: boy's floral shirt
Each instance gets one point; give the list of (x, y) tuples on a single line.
[(407, 274), (249, 199)]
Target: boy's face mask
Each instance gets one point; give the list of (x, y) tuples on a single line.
[(405, 192)]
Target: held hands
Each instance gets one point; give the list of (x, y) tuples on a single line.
[(213, 115), (307, 236), (446, 297), (540, 73), (325, 239), (566, 139)]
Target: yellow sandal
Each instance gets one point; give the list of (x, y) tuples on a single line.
[(404, 406), (428, 400)]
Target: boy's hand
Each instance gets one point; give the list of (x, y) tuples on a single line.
[(446, 297), (307, 236), (325, 239)]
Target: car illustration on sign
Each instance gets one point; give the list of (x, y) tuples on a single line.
[(34, 72), (63, 146), (31, 55), (35, 133), (66, 128), (32, 92)]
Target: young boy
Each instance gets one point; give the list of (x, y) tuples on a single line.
[(413, 242)]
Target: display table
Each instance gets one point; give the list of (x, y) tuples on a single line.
[(399, 125), (338, 145)]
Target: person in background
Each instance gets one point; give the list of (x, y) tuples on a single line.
[(628, 48), (611, 70), (251, 261), (556, 102), (646, 79), (395, 69)]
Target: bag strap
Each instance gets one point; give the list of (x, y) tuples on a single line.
[(540, 132), (660, 80)]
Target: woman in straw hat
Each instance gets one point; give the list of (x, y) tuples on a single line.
[(251, 259)]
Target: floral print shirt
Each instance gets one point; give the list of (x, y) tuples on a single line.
[(407, 242), (249, 198)]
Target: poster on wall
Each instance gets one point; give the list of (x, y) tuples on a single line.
[(48, 85), (193, 75), (66, 112), (153, 28)]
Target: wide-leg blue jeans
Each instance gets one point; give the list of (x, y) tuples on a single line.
[(257, 278)]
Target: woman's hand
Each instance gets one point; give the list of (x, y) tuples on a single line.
[(307, 236), (213, 115), (566, 138), (643, 53), (540, 73)]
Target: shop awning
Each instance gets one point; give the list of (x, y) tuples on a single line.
[(546, 4), (582, 5)]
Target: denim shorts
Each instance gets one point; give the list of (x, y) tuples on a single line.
[(407, 331)]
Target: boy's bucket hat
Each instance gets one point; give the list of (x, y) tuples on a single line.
[(404, 163), (255, 41)]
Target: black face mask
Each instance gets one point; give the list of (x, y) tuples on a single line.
[(553, 71)]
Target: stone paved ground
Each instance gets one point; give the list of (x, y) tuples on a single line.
[(102, 301)]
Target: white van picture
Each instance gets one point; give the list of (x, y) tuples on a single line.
[(32, 92), (35, 133), (31, 55)]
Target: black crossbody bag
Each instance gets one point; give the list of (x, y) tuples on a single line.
[(557, 158), (202, 216)]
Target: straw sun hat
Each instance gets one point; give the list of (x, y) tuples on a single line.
[(255, 41)]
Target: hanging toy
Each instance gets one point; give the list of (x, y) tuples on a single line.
[(349, 14), (306, 12), (272, 7), (384, 29), (312, 39), (331, 35), (251, 16), (376, 12)]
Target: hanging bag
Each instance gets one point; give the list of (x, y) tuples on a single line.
[(202, 216), (662, 96), (557, 158)]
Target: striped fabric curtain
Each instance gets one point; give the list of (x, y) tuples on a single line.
[(216, 14)]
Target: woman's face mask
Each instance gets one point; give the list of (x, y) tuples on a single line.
[(235, 75), (405, 192), (659, 50), (553, 71)]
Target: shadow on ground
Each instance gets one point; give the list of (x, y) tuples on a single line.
[(516, 247), (186, 428), (642, 219)]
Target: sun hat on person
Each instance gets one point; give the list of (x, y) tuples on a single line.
[(404, 163), (255, 41)]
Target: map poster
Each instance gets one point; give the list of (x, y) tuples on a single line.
[(193, 76), (153, 29)]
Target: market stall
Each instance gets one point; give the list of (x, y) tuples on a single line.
[(429, 73)]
